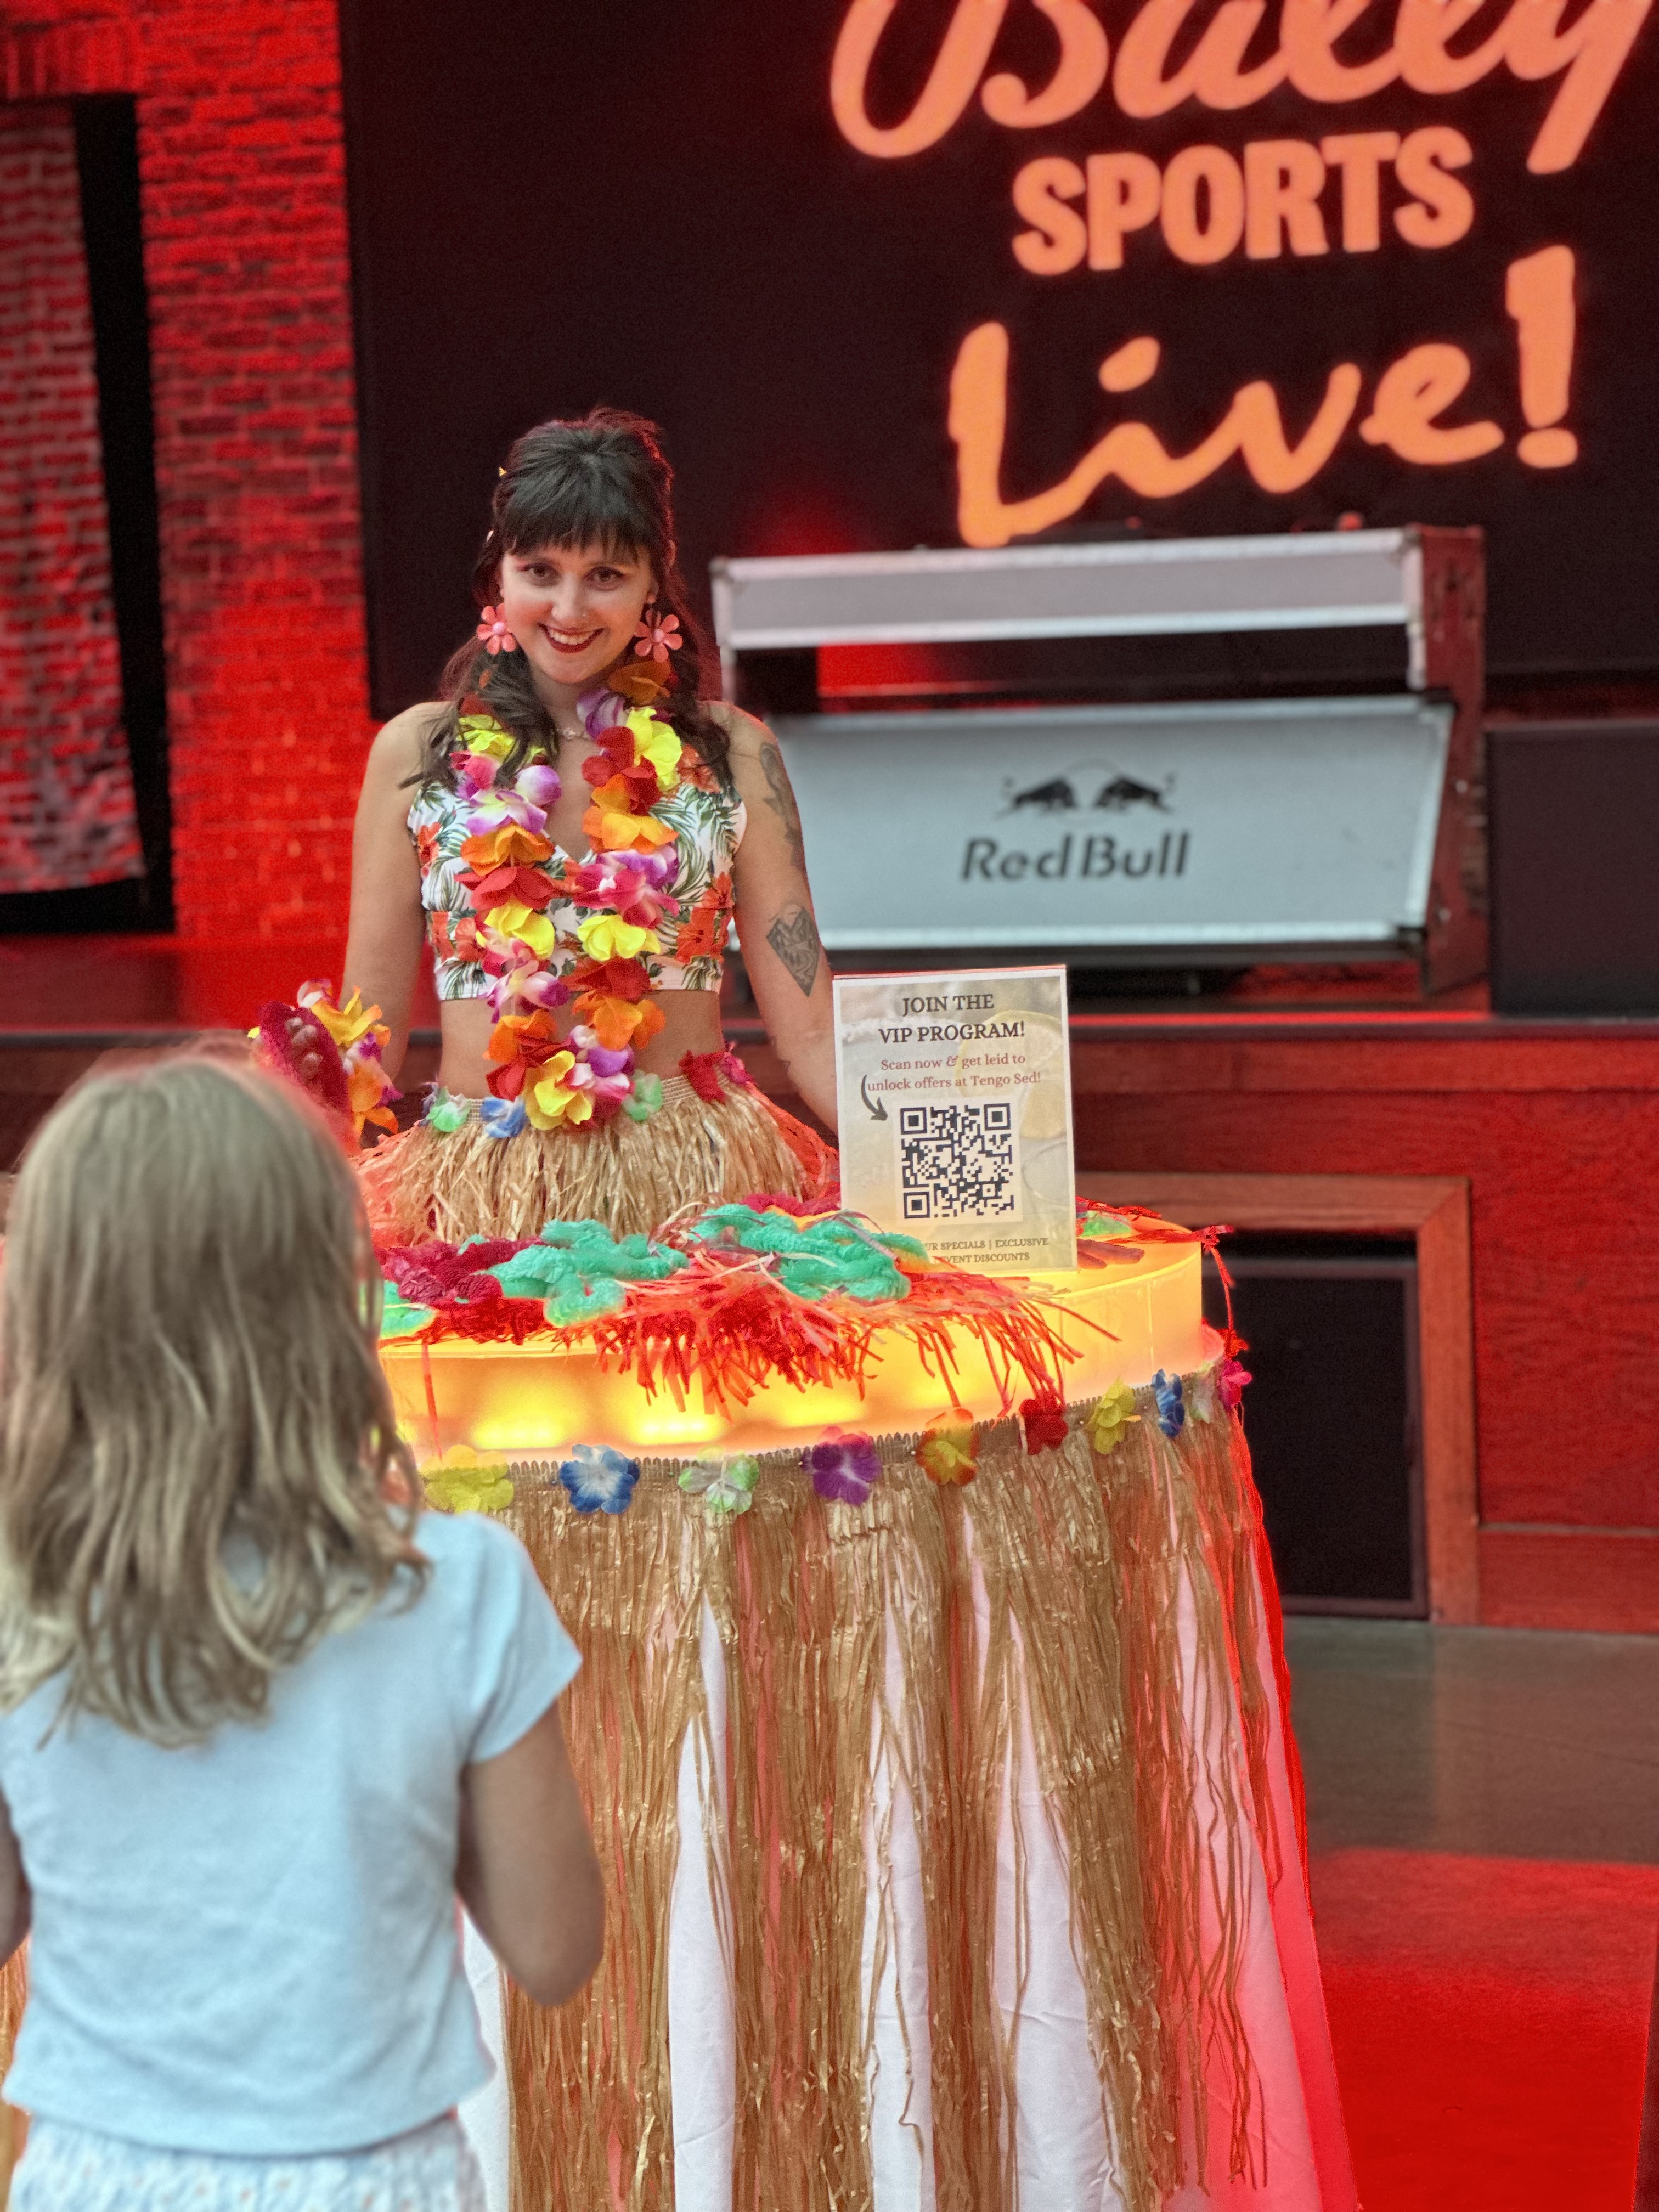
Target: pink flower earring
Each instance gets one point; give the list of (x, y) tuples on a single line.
[(655, 640), (493, 633)]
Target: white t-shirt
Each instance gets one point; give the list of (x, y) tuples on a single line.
[(251, 1945)]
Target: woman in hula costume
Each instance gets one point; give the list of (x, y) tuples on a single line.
[(583, 1074)]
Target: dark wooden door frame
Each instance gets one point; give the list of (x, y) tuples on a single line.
[(1433, 1211)]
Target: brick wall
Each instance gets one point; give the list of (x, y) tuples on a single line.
[(242, 163), (66, 807)]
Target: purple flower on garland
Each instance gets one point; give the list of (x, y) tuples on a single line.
[(601, 708), (599, 1480), (844, 1469), (602, 1059), (540, 784), (1230, 1382), (1171, 1409)]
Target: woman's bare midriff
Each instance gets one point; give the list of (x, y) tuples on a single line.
[(691, 1023)]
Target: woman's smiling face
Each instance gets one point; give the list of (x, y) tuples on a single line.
[(573, 609)]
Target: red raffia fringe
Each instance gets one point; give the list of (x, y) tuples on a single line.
[(727, 1321)]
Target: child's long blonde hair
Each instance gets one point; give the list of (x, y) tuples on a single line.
[(199, 1472)]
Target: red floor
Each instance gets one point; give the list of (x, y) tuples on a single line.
[(1490, 2017)]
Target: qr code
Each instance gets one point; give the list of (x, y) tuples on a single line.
[(958, 1163)]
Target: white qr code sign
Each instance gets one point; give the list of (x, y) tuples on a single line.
[(955, 1104)]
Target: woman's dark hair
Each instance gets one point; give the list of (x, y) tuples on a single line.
[(602, 480)]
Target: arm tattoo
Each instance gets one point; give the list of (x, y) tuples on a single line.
[(794, 938), (781, 800)]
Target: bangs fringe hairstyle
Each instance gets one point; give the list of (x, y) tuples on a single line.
[(200, 1476), (602, 480)]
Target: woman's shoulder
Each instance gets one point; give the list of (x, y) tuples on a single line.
[(402, 742), (746, 735)]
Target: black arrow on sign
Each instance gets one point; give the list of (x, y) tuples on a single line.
[(878, 1111)]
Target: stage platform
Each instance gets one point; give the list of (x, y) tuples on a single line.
[(1516, 1153)]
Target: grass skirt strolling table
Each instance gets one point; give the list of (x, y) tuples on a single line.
[(951, 1845)]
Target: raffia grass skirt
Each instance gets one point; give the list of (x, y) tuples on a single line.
[(1102, 1611), (632, 1175)]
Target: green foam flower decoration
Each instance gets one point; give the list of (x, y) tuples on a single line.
[(817, 1258), (1111, 1225), (645, 1099), (578, 1269), (725, 1486), (447, 1113), (579, 1301), (399, 1318)]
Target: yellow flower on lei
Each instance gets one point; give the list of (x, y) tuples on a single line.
[(613, 828), (531, 928), (1114, 1411), (949, 1449), (550, 1101), (349, 1023), (483, 733), (658, 742), (366, 1086), (608, 937), (462, 1482), (510, 842)]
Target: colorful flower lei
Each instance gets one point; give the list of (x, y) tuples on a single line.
[(333, 1052), (514, 874)]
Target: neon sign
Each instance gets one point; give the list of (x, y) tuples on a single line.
[(1292, 199)]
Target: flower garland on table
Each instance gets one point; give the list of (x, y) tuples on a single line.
[(750, 1291), (514, 874), (843, 1467)]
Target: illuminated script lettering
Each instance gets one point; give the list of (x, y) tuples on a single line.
[(1298, 200)]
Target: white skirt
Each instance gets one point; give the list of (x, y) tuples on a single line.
[(68, 2169)]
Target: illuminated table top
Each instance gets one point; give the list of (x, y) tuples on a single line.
[(1124, 1321)]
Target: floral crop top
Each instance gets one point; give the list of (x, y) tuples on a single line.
[(707, 820)]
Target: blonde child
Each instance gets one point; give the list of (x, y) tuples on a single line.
[(259, 1724)]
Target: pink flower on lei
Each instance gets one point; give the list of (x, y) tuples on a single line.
[(629, 882), (532, 792), (474, 772), (519, 984)]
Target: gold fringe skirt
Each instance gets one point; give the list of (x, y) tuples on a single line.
[(632, 1175), (1095, 1616)]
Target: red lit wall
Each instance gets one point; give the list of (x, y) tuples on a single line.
[(66, 808), (242, 162)]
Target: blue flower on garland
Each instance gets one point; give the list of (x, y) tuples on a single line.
[(504, 1117), (1171, 1409), (599, 1480)]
